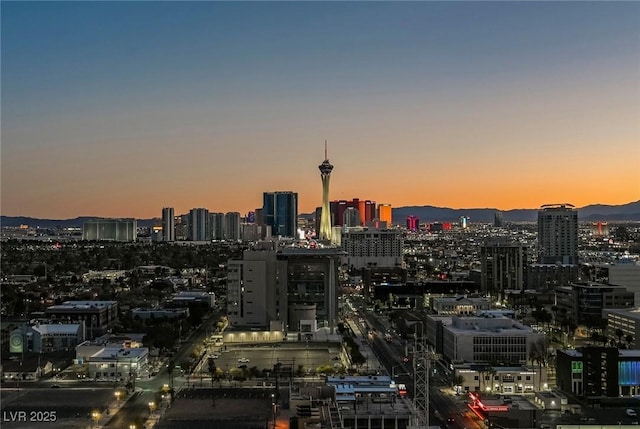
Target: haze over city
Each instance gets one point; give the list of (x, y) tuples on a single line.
[(119, 109)]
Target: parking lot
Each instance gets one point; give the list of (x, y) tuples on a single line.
[(71, 407), (310, 356)]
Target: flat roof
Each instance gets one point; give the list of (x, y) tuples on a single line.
[(118, 352), (57, 328)]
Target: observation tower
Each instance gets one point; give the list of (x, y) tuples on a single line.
[(325, 216)]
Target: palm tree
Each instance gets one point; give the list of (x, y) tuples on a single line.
[(629, 340), (538, 355)]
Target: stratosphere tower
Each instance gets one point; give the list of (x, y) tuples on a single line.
[(325, 216)]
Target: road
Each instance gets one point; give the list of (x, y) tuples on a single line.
[(442, 407), (136, 410)]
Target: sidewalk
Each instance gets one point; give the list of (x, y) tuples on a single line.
[(112, 409)]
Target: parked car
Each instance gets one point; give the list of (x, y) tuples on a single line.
[(631, 412), (243, 360)]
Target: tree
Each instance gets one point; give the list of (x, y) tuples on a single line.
[(619, 333), (629, 340)]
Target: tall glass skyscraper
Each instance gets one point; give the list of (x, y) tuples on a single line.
[(280, 212)]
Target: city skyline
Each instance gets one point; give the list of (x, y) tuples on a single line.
[(120, 109)]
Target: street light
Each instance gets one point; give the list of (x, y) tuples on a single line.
[(152, 407), (273, 407), (132, 426), (96, 416), (117, 394)]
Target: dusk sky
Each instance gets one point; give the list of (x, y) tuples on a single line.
[(118, 109)]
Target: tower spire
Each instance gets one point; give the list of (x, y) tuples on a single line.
[(325, 149)]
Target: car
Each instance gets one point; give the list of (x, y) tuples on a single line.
[(631, 412), (55, 386), (545, 426), (243, 360), (214, 356)]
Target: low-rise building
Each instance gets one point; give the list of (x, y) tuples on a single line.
[(97, 316), (186, 298), (159, 313), (482, 339), (459, 305), (114, 363)]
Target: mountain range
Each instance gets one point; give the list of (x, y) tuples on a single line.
[(591, 213)]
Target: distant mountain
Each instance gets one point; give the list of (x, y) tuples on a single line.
[(595, 212)]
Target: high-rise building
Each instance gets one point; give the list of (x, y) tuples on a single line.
[(351, 217), (498, 221), (325, 217), (413, 223), (216, 225), (199, 225), (385, 214), (168, 224), (232, 226), (110, 229), (280, 211), (503, 266), (367, 247), (558, 234), (293, 286), (366, 209)]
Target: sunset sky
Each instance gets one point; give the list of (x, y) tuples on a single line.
[(118, 109)]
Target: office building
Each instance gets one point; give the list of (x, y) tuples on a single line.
[(293, 286), (623, 326), (110, 230), (280, 212), (498, 219), (558, 234), (596, 372), (116, 363), (484, 338), (385, 213), (168, 224), (232, 226), (97, 316), (199, 225), (502, 267), (583, 303), (325, 216)]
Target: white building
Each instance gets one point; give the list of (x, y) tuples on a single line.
[(110, 229), (502, 379), (459, 305), (45, 338), (366, 247), (115, 363), (490, 339)]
